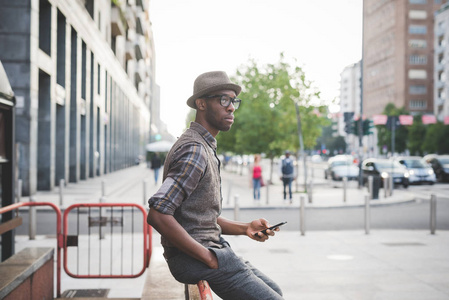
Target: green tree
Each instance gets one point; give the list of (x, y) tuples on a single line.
[(384, 134), (416, 135), (266, 120), (436, 140)]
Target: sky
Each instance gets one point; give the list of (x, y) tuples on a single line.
[(196, 36)]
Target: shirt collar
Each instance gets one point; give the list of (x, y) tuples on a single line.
[(205, 134)]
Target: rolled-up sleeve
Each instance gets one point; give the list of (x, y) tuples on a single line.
[(184, 173)]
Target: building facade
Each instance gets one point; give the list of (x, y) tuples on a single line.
[(398, 47), (350, 100), (441, 63), (83, 73)]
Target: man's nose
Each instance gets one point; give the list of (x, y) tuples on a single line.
[(231, 107)]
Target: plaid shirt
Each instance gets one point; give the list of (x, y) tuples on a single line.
[(186, 167)]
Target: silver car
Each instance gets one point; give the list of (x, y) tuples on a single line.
[(341, 166), (419, 171)]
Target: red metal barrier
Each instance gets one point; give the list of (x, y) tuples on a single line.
[(59, 239), (205, 292), (103, 222)]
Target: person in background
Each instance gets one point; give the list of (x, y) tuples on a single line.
[(186, 209), (257, 177), (287, 173), (156, 164)]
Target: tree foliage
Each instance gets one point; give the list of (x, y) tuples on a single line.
[(266, 120), (385, 135), (416, 135)]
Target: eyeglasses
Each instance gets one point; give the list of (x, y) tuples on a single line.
[(225, 100)]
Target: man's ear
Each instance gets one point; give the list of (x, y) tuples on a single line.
[(200, 104)]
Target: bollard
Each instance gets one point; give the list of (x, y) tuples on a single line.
[(391, 185), (302, 222), (145, 184), (61, 197), (268, 192), (310, 191), (236, 207), (103, 188), (229, 192), (433, 213), (19, 190), (385, 181), (370, 187), (345, 186), (367, 214), (32, 220)]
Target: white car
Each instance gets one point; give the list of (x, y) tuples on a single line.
[(419, 171), (341, 166)]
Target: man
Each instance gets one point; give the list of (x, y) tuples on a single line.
[(186, 209), (288, 174)]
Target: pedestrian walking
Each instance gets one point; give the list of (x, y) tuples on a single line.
[(186, 208), (287, 173), (156, 164), (257, 177)]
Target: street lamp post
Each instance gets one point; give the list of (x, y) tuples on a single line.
[(301, 145)]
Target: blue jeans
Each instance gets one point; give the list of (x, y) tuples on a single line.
[(256, 188), (156, 175), (287, 182), (235, 279)]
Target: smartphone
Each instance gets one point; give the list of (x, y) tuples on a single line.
[(272, 227)]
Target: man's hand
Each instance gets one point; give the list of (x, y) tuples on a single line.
[(256, 226)]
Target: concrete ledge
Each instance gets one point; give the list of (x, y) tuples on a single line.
[(18, 269), (160, 284)]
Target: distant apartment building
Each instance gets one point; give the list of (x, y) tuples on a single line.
[(398, 43), (350, 100), (83, 73), (441, 63), (349, 93)]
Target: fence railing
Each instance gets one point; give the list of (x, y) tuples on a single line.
[(93, 220)]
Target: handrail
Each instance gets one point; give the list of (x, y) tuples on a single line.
[(59, 239)]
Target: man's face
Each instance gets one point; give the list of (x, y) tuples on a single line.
[(217, 116)]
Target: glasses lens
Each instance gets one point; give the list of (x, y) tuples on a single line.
[(236, 103), (226, 101)]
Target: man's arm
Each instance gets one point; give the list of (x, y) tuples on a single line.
[(251, 229), (167, 226)]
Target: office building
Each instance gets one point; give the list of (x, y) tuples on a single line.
[(398, 43), (441, 64), (83, 73)]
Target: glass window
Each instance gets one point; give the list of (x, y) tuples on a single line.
[(418, 59), (2, 137), (418, 104), (417, 74), (417, 44), (417, 14), (417, 29), (418, 90)]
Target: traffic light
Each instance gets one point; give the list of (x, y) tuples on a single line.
[(355, 127), (348, 127), (348, 118), (367, 125)]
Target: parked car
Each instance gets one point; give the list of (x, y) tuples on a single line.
[(384, 168), (419, 171), (341, 166), (440, 165)]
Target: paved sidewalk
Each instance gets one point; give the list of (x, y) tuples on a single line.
[(350, 265), (129, 186)]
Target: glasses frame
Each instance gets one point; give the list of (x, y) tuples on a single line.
[(235, 101)]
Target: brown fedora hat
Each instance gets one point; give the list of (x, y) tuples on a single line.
[(209, 82)]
